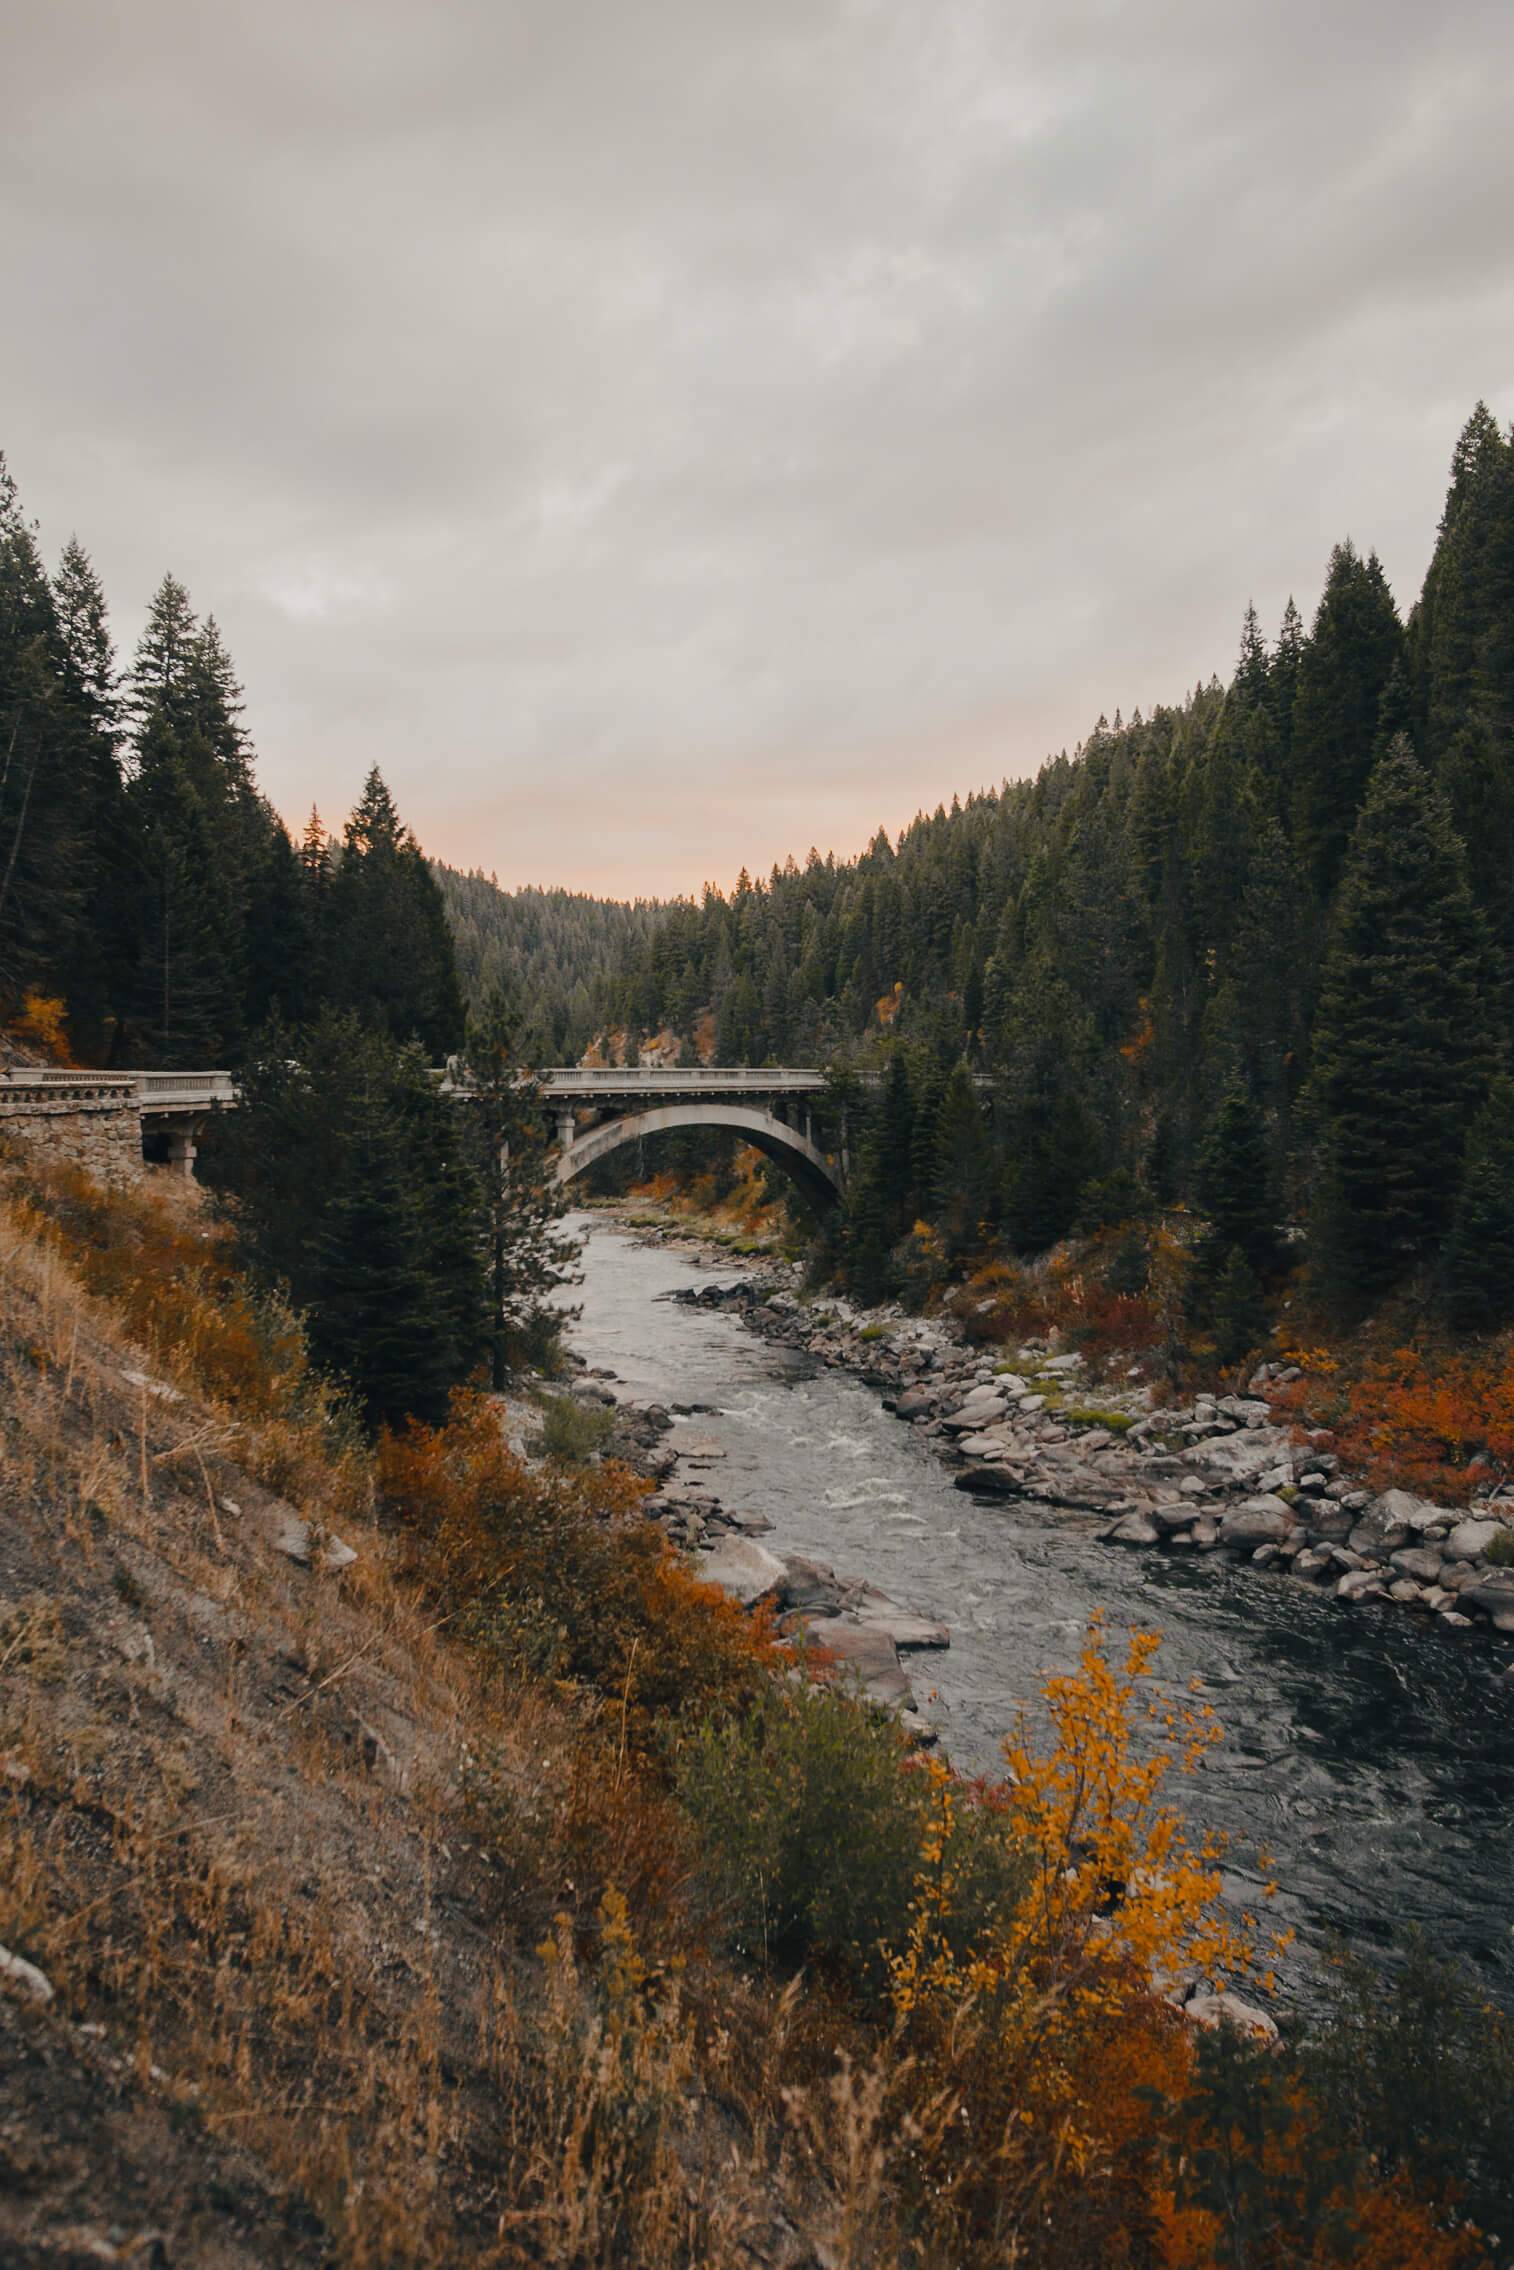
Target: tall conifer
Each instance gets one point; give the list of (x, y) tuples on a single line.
[(1401, 1044)]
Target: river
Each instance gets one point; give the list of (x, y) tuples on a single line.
[(1367, 1753)]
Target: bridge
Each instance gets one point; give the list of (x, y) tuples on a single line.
[(598, 1109), (769, 1106)]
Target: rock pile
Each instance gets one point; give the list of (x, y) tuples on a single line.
[(1219, 1474)]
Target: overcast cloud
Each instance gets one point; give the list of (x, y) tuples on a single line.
[(667, 433)]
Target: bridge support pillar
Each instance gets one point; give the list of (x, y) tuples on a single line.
[(182, 1151), (565, 1126)]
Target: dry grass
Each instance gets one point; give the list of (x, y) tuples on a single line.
[(240, 1832)]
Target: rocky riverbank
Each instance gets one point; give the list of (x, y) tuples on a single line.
[(1218, 1474), (861, 1633)]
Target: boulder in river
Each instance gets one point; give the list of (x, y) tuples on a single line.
[(1258, 1521), (744, 1569), (874, 1610), (869, 1658), (1132, 1529), (1393, 1520), (1470, 1539), (810, 1587), (1493, 1598)]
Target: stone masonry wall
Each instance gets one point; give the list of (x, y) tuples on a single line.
[(96, 1128)]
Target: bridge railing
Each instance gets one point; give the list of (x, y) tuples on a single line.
[(680, 1079), (152, 1091), (180, 1091)]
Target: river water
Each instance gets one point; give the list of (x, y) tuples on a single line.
[(1369, 1754)]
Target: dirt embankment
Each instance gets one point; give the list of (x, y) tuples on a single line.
[(276, 1857)]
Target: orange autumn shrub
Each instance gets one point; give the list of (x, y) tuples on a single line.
[(1005, 1302), (1438, 1421), (1052, 2029), (1257, 2172), (548, 1566), (41, 1024)]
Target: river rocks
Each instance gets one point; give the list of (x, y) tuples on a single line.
[(744, 1569), (1259, 1521), (1421, 1562), (1134, 1529), (1227, 2009), (1493, 1598), (1394, 1519), (1469, 1540), (1247, 1457), (23, 1979), (869, 1658), (982, 1446), (981, 1409), (1216, 1473), (1360, 1584), (874, 1611)]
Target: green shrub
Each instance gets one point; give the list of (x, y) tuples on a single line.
[(1501, 1551), (1416, 2069), (1085, 1415), (811, 1823), (571, 1432)]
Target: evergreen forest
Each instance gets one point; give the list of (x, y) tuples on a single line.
[(1252, 951), (154, 910)]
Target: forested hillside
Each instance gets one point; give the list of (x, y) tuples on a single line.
[(556, 955), (153, 909), (1259, 941)]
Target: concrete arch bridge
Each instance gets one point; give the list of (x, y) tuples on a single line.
[(769, 1107)]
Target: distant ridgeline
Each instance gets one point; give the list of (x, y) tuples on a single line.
[(1272, 926), (556, 955)]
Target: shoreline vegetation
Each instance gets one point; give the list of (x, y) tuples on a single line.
[(1240, 1471)]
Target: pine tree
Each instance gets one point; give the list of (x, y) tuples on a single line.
[(963, 1180), (350, 1189), (527, 1255), (1480, 1254), (895, 1144), (389, 954), (1235, 1310), (1050, 1117), (92, 962), (1401, 1042), (1343, 671), (1235, 1183), (43, 855), (1461, 638), (205, 844)]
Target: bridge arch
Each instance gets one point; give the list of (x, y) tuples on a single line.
[(786, 1146)]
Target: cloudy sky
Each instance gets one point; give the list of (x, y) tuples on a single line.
[(669, 433)]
